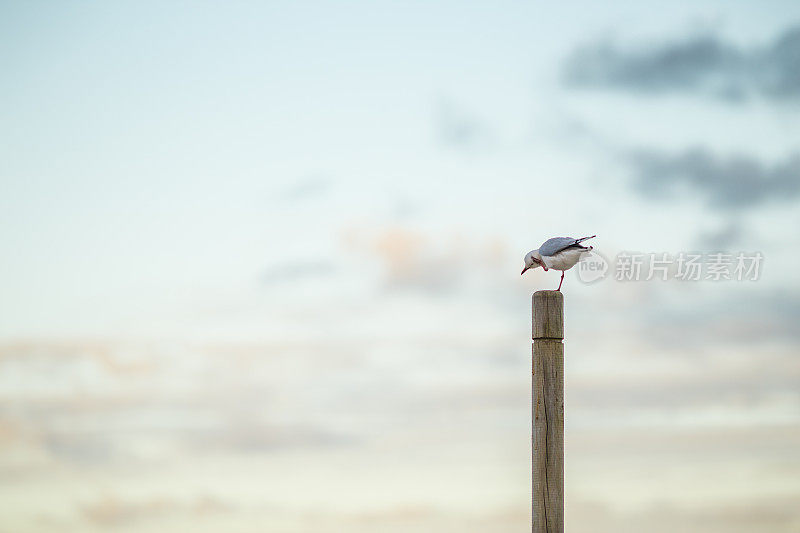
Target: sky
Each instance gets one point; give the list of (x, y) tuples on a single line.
[(262, 258)]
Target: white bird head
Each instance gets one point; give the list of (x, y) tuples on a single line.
[(533, 260)]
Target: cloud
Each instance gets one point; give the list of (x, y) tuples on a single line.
[(249, 435), (305, 189), (703, 64), (458, 129), (736, 182), (725, 516), (742, 319), (694, 353), (112, 511), (296, 270), (723, 238), (412, 260)]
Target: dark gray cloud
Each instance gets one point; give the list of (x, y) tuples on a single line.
[(731, 183), (702, 64)]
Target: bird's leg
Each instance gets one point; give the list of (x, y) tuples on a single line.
[(560, 282)]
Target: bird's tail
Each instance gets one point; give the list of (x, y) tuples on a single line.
[(584, 239)]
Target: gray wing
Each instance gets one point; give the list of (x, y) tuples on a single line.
[(555, 245)]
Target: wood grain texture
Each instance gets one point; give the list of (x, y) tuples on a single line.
[(548, 412), (548, 315)]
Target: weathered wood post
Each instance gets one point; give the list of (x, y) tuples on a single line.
[(548, 412)]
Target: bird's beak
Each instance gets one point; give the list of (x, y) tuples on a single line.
[(523, 270)]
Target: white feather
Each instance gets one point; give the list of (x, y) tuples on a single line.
[(565, 259)]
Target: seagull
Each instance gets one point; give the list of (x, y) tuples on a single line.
[(559, 253)]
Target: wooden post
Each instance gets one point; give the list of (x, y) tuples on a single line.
[(548, 412)]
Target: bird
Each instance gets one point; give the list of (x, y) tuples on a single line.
[(558, 253)]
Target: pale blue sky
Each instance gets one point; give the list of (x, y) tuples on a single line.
[(148, 148)]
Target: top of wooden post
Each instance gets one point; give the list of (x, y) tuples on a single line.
[(548, 315)]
